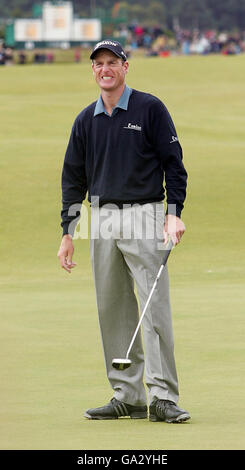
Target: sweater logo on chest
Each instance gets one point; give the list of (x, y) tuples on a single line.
[(133, 127)]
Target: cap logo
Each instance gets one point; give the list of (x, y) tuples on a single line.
[(105, 43)]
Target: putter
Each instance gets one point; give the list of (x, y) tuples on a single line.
[(122, 364)]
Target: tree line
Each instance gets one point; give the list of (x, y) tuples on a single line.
[(222, 15)]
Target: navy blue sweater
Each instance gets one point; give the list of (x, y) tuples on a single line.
[(124, 158)]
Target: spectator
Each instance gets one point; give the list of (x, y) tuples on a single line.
[(9, 56), (22, 58), (2, 56), (77, 55), (36, 58), (147, 40), (49, 57)]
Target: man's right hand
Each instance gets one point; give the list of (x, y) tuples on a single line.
[(65, 253)]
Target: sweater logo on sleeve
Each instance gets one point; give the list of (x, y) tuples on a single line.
[(133, 127), (174, 139)]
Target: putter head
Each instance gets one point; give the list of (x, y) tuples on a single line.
[(121, 364)]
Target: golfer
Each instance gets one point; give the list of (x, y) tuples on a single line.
[(123, 150)]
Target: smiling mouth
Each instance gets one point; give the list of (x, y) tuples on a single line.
[(107, 78)]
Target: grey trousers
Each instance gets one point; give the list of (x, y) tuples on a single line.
[(126, 249)]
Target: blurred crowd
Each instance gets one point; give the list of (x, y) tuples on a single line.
[(210, 42), (156, 41), (7, 56), (39, 57)]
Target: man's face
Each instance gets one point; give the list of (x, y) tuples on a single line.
[(109, 70)]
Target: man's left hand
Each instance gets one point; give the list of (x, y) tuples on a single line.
[(174, 228)]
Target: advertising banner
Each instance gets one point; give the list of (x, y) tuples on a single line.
[(28, 30), (86, 30), (57, 21)]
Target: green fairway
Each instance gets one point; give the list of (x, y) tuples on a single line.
[(52, 366)]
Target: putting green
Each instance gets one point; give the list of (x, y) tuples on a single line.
[(52, 367)]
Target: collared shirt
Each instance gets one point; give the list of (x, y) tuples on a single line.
[(122, 103)]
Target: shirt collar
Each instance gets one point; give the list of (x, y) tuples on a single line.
[(122, 103)]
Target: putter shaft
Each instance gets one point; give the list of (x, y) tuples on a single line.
[(165, 258)]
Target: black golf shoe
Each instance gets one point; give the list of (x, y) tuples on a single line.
[(116, 409), (168, 411)]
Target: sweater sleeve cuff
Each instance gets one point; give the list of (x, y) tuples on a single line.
[(67, 229), (174, 209)]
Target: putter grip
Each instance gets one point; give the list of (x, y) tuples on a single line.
[(167, 252)]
